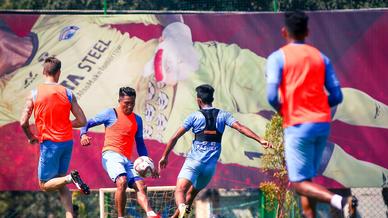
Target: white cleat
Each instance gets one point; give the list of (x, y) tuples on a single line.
[(183, 211)]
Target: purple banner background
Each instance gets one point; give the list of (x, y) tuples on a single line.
[(355, 41)]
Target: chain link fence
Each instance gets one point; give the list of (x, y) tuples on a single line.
[(372, 202), (212, 203)]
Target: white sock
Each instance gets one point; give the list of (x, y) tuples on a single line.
[(151, 213), (120, 217), (335, 201), (68, 178)]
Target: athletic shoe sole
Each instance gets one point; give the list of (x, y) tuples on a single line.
[(75, 177)]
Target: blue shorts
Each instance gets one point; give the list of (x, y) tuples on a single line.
[(198, 173), (303, 155), (117, 165), (54, 159)]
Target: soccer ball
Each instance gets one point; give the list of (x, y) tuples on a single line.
[(144, 166)]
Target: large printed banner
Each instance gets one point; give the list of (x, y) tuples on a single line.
[(164, 57)]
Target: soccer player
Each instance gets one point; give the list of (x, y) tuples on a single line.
[(302, 73), (52, 104), (122, 129), (208, 125), (164, 96)]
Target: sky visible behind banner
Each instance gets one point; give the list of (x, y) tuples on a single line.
[(100, 54)]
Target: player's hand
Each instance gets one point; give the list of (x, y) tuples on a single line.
[(163, 163), (265, 144), (33, 140), (175, 57), (155, 174), (85, 140)]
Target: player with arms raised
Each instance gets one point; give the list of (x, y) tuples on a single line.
[(208, 125)]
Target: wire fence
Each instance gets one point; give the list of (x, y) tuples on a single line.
[(212, 203), (372, 202)]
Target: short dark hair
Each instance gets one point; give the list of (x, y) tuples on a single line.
[(51, 66), (127, 91), (296, 23), (205, 93)]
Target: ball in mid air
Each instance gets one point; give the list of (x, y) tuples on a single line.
[(144, 166)]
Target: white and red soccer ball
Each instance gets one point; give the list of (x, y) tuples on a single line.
[(144, 166)]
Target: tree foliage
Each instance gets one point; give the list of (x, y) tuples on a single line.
[(277, 191)]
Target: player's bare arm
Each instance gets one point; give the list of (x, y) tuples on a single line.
[(170, 145), (249, 133), (76, 110), (24, 120)]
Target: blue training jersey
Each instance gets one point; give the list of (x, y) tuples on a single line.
[(206, 152)]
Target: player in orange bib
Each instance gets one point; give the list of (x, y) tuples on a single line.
[(301, 74), (52, 104), (122, 129)]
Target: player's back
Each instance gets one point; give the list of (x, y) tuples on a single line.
[(210, 122), (302, 86), (52, 105)]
